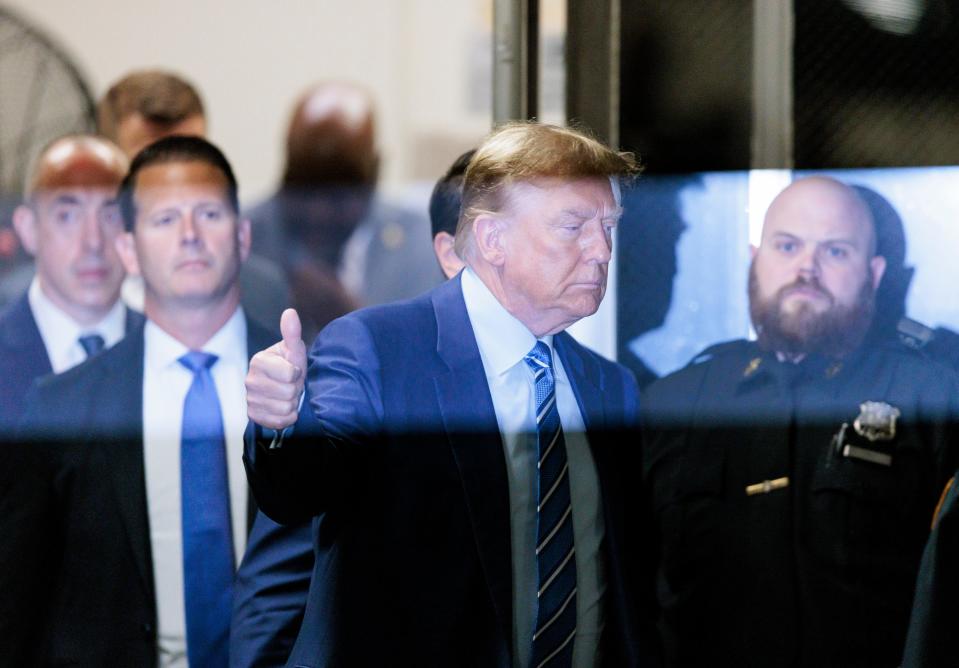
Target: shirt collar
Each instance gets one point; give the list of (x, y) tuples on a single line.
[(228, 344), (501, 338), (60, 331)]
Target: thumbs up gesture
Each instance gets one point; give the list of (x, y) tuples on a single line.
[(275, 380)]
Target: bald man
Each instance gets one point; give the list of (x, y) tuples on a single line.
[(326, 224), (68, 222), (793, 478)]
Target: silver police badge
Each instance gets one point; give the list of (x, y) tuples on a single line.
[(876, 421)]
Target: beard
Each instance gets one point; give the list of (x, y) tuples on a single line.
[(835, 332)]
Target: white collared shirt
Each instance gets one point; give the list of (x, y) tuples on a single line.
[(503, 342), (61, 333), (165, 385)]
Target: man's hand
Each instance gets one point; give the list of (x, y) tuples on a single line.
[(274, 383)]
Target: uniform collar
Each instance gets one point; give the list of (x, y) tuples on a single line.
[(762, 365)]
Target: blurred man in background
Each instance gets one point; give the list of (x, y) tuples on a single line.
[(326, 224), (445, 204), (68, 222), (146, 105)]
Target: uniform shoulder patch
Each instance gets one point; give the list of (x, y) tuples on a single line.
[(913, 334), (700, 358)]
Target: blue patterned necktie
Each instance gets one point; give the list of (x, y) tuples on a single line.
[(91, 344), (208, 562), (555, 552)]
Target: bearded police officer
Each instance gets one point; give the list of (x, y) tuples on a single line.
[(792, 479)]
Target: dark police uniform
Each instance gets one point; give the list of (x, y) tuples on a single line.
[(933, 639), (791, 502)]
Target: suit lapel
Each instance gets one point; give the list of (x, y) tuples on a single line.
[(470, 422), (595, 398), (123, 374), (22, 335), (23, 359), (583, 376), (132, 321)]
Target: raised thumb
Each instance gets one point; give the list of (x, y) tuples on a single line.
[(292, 332)]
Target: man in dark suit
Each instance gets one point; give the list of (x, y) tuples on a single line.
[(457, 449), (272, 583), (68, 222), (125, 517)]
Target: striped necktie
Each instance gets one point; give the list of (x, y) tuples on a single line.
[(555, 552)]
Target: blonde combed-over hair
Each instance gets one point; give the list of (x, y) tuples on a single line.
[(524, 151)]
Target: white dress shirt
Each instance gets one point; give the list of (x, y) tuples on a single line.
[(503, 342), (165, 385), (61, 333)]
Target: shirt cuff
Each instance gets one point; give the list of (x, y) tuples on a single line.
[(276, 437)]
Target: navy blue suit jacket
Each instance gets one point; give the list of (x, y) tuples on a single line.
[(398, 455), (76, 570), (23, 358), (270, 593)]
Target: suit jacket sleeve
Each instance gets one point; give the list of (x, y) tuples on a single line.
[(270, 593), (343, 409)]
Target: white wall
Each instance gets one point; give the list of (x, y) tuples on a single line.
[(426, 61), (251, 58)]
